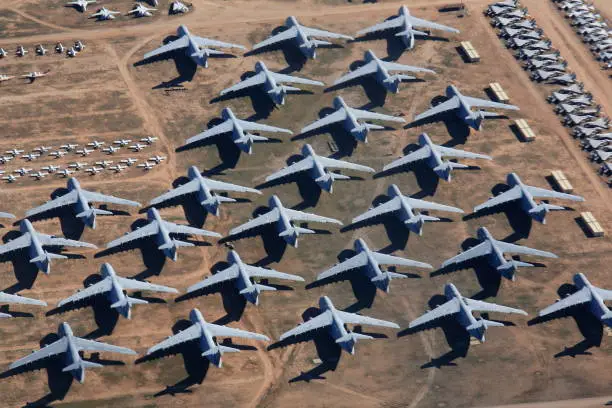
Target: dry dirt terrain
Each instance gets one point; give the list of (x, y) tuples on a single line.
[(106, 93)]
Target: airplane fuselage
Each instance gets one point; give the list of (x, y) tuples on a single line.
[(239, 136), (464, 316), (71, 355), (206, 341), (337, 328), (163, 236), (204, 196), (372, 267), (596, 305), (277, 93), (36, 250)]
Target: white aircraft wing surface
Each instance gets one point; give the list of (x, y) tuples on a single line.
[(217, 279), (447, 309), (53, 349), (171, 46), (578, 298), (481, 306), (337, 116), (63, 201), (264, 219), (367, 69), (295, 215), (193, 332), (354, 318), (451, 104), (91, 291), (316, 323), (288, 34), (258, 272), (255, 80), (385, 208), (511, 195)]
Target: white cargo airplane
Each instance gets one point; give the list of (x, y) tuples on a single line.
[(202, 188), (379, 69), (271, 83), (196, 48), (349, 118), (283, 219), (104, 14), (404, 23), (141, 10), (205, 334), (403, 208), (433, 155), (242, 276), (302, 37), (317, 168), (8, 298), (238, 130), (335, 321)]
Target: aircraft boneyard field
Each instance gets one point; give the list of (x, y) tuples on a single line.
[(107, 93)]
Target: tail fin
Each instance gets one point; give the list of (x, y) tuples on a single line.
[(539, 212), (415, 224)]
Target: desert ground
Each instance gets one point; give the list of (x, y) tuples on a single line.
[(108, 93)]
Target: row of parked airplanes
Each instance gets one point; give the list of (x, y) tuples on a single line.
[(139, 9), (593, 28), (40, 50), (573, 103)]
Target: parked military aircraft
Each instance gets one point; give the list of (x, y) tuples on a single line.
[(34, 242), (205, 334), (271, 83), (301, 36), (317, 167), (335, 322), (163, 233), (79, 200), (202, 188), (141, 10), (113, 288), (81, 4), (525, 196), (241, 275), (238, 130), (404, 23), (433, 155), (283, 217), (104, 14), (69, 346)]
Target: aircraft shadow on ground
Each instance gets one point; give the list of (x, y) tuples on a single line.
[(376, 93), (519, 220), (589, 326)]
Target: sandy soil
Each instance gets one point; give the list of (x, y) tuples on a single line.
[(102, 95)]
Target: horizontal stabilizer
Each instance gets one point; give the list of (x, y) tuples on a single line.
[(318, 43), (606, 316), (46, 256), (226, 349), (258, 287), (295, 230), (354, 337)]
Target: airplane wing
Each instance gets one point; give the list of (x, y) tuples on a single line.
[(171, 46), (295, 215), (144, 232), (53, 349), (55, 241), (604, 293), (207, 42), (224, 331), (255, 80), (298, 167), (354, 262), (267, 218), (258, 272), (419, 22), (91, 345), (224, 127), (213, 281), (315, 32), (133, 284), (63, 201), (418, 155), (368, 115), (318, 322), (104, 198), (448, 152), (187, 230), (254, 126), (396, 260), (223, 186), (294, 80), (544, 193), (519, 249), (385, 208), (8, 298), (367, 69), (191, 333), (511, 195), (452, 103), (187, 188), (480, 250), (275, 39), (428, 205), (21, 242), (354, 318), (481, 306), (394, 66), (91, 291), (483, 103), (341, 164), (387, 25), (447, 309), (578, 298), (337, 116)]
